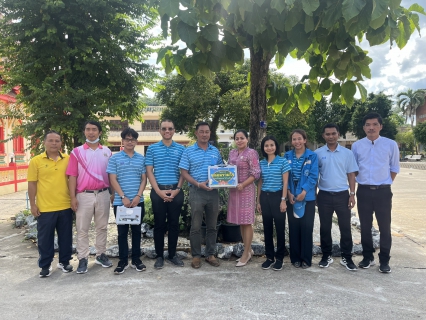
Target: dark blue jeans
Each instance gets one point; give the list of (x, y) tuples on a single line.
[(123, 231), (47, 223)]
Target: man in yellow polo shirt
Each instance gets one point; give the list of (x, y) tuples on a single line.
[(50, 204)]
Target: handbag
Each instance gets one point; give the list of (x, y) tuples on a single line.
[(128, 215)]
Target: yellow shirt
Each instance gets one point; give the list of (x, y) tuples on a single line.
[(52, 182)]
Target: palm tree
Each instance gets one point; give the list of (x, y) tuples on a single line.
[(409, 101)]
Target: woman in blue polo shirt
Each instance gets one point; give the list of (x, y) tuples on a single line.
[(301, 199), (271, 201)]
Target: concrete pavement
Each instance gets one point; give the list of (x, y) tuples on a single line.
[(227, 292)]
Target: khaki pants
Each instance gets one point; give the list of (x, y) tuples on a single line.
[(92, 205)]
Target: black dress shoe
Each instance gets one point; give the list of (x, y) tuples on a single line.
[(305, 265), (297, 264)]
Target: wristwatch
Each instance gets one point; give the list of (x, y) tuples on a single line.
[(123, 196), (139, 195), (178, 188), (284, 199), (352, 193)]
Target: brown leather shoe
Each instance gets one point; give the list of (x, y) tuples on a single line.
[(196, 262), (212, 261)]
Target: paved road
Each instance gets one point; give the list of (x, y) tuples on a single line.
[(227, 292)]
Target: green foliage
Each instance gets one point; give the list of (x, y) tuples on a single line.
[(324, 33), (409, 101), (149, 214), (406, 140), (75, 60), (420, 133), (379, 103)]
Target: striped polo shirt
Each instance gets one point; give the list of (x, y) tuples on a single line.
[(297, 166), (129, 172), (89, 166), (165, 161), (272, 173), (196, 161)]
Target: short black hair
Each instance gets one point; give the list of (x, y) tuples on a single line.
[(95, 123), (129, 132), (262, 145), (372, 115), (51, 131), (329, 126), (166, 120), (244, 132), (203, 123)]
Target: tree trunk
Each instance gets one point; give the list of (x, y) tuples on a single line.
[(215, 125), (258, 80)]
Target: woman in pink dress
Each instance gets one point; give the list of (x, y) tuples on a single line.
[(242, 199)]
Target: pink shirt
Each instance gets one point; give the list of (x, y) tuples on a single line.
[(89, 166)]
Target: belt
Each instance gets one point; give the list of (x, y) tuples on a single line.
[(95, 191), (334, 193), (373, 187), (167, 186), (272, 192)]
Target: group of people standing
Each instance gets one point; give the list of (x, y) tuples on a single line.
[(91, 178)]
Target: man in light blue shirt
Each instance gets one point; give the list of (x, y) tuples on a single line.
[(194, 166), (337, 168), (378, 161)]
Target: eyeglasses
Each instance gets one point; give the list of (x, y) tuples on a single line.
[(130, 140), (167, 129)]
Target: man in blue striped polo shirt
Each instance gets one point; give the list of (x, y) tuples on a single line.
[(127, 176), (337, 169), (194, 165), (162, 168)]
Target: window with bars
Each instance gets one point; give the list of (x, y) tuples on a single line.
[(151, 125), (118, 125)]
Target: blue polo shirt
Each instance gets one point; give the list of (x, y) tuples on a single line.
[(129, 172), (196, 161), (297, 166), (272, 173), (334, 167), (165, 161)]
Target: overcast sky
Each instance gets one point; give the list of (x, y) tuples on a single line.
[(392, 70)]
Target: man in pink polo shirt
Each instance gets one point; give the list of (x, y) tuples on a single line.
[(88, 184)]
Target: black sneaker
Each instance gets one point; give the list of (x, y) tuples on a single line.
[(82, 266), (348, 263), (159, 264), (45, 272), (384, 267), (366, 263), (176, 261), (103, 261), (138, 265), (267, 264), (325, 261), (65, 267), (121, 267), (278, 265)]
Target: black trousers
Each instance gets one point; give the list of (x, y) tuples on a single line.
[(328, 203), (270, 204), (378, 201), (123, 231), (47, 223), (300, 232), (166, 217)]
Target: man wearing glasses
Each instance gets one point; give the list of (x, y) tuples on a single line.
[(378, 161), (162, 167), (194, 165), (127, 176)]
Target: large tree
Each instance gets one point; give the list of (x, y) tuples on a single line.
[(76, 60), (420, 133), (325, 33), (409, 101)]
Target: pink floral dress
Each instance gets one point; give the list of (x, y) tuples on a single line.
[(242, 204)]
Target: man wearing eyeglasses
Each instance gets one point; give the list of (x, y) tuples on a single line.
[(378, 161), (162, 167), (194, 165), (127, 176)]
